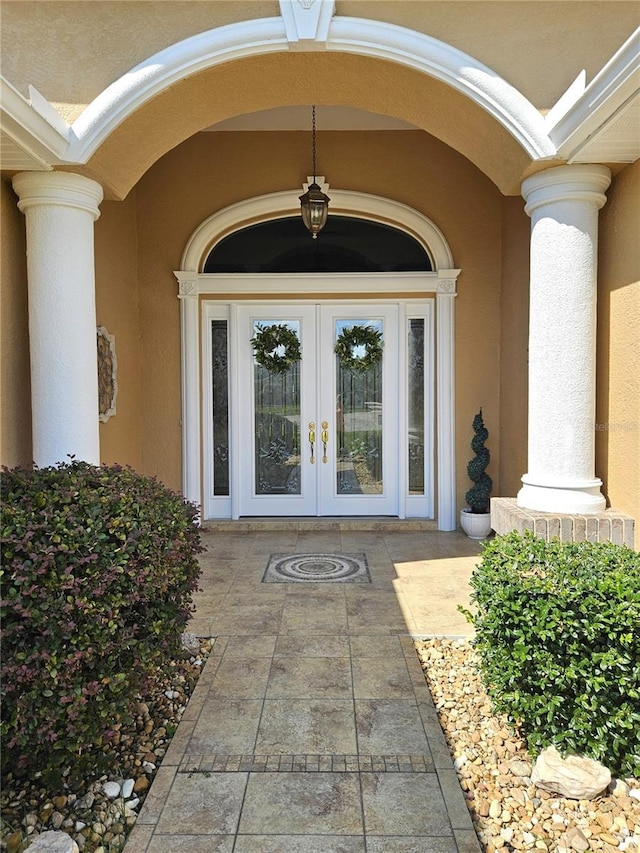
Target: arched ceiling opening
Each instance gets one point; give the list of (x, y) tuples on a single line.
[(264, 82), (239, 69)]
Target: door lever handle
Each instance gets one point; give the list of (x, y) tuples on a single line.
[(312, 439), (325, 439)]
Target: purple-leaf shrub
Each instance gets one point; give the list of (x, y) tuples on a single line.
[(98, 567)]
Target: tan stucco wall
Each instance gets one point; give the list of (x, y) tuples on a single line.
[(71, 51), (514, 338), (117, 310), (15, 385), (211, 171), (618, 378)]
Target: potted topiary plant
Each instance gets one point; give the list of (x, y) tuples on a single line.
[(475, 518)]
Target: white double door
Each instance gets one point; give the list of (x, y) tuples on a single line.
[(321, 436)]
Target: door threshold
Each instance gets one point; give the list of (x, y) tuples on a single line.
[(371, 523)]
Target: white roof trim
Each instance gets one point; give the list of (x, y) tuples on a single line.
[(609, 92), (34, 127)]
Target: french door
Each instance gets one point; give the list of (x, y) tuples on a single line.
[(318, 428)]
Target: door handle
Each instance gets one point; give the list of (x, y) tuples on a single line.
[(312, 439), (325, 439)]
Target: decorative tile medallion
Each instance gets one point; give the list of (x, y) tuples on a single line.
[(317, 568)]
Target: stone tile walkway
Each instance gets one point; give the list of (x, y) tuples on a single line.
[(311, 729)]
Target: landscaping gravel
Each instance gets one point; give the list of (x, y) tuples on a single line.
[(509, 813), (100, 813)]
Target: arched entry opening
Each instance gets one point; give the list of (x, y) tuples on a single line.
[(320, 437)]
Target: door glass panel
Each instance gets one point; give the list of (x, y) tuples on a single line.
[(277, 422), (415, 378), (358, 415), (220, 407)]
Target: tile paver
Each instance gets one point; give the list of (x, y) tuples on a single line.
[(311, 729)]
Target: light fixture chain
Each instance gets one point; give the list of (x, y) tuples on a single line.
[(313, 138)]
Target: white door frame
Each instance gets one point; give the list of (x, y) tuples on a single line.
[(192, 284), (235, 315)]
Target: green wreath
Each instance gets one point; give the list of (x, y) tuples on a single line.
[(356, 336), (276, 348)]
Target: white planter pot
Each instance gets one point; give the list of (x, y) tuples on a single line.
[(477, 525)]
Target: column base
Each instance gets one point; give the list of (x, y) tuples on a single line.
[(583, 498), (606, 526)]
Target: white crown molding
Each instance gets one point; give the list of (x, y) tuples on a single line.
[(609, 92), (342, 202)]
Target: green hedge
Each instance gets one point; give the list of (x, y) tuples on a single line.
[(558, 635), (98, 567)]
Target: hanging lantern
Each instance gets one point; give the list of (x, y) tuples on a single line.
[(314, 204)]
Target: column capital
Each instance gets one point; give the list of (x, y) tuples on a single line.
[(580, 182), (65, 189)]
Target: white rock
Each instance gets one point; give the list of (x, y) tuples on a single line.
[(85, 803), (132, 804), (635, 793), (576, 777), (53, 842), (127, 788), (148, 766), (519, 768), (576, 839), (460, 761), (619, 788), (111, 789)]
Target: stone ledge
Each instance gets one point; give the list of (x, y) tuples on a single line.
[(607, 526), (382, 524)]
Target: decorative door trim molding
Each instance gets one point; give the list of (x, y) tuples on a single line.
[(193, 284), (343, 203)]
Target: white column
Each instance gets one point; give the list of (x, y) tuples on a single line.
[(445, 398), (60, 209), (563, 203), (190, 337)]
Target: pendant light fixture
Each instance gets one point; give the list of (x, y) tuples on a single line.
[(314, 204)]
